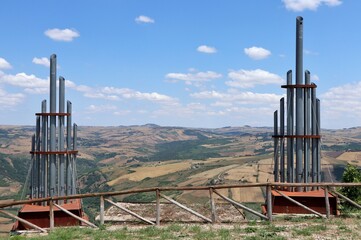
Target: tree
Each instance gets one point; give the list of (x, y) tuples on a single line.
[(352, 175)]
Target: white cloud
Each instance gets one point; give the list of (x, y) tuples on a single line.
[(206, 49), (99, 95), (309, 52), (114, 94), (66, 35), (314, 77), (237, 97), (342, 103), (34, 85), (30, 83), (8, 100), (250, 78), (301, 5), (144, 19), (193, 77), (257, 53), (122, 112), (132, 94), (100, 108), (4, 64), (42, 61)]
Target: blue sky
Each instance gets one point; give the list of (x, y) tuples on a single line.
[(178, 63)]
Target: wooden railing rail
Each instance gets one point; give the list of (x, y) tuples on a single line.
[(52, 201)]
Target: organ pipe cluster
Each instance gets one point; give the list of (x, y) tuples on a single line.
[(54, 145), (297, 160)]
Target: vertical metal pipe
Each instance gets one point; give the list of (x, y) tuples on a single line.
[(37, 158), (299, 49), (282, 144), (68, 147), (75, 147), (299, 100), (318, 106), (61, 136), (307, 127), (32, 179), (44, 145), (52, 136), (275, 147), (314, 140), (290, 140)]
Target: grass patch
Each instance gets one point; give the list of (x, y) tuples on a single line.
[(309, 230), (276, 230)]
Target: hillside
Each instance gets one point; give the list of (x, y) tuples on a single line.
[(126, 157)]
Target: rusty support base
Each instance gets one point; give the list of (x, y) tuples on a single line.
[(40, 216), (312, 199)]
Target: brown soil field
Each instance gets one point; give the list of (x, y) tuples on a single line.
[(351, 157), (152, 171)]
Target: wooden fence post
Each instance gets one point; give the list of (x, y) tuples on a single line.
[(213, 206), (51, 214), (327, 200), (269, 202), (157, 217), (101, 210)]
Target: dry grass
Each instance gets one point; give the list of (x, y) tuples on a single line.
[(244, 172), (152, 171), (351, 157)]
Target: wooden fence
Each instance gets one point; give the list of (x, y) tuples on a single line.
[(213, 190)]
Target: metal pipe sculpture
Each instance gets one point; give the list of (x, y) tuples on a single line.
[(290, 121), (307, 126), (276, 168), (282, 143), (299, 99), (53, 164)]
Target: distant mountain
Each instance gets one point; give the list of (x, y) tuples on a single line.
[(109, 155)]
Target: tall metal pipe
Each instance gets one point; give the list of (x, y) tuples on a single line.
[(299, 100), (44, 148), (318, 116), (52, 136), (290, 121), (33, 173), (68, 147), (61, 136), (75, 147), (282, 144), (276, 139), (37, 158), (314, 140), (307, 127)]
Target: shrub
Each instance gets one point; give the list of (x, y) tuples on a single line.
[(352, 175)]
